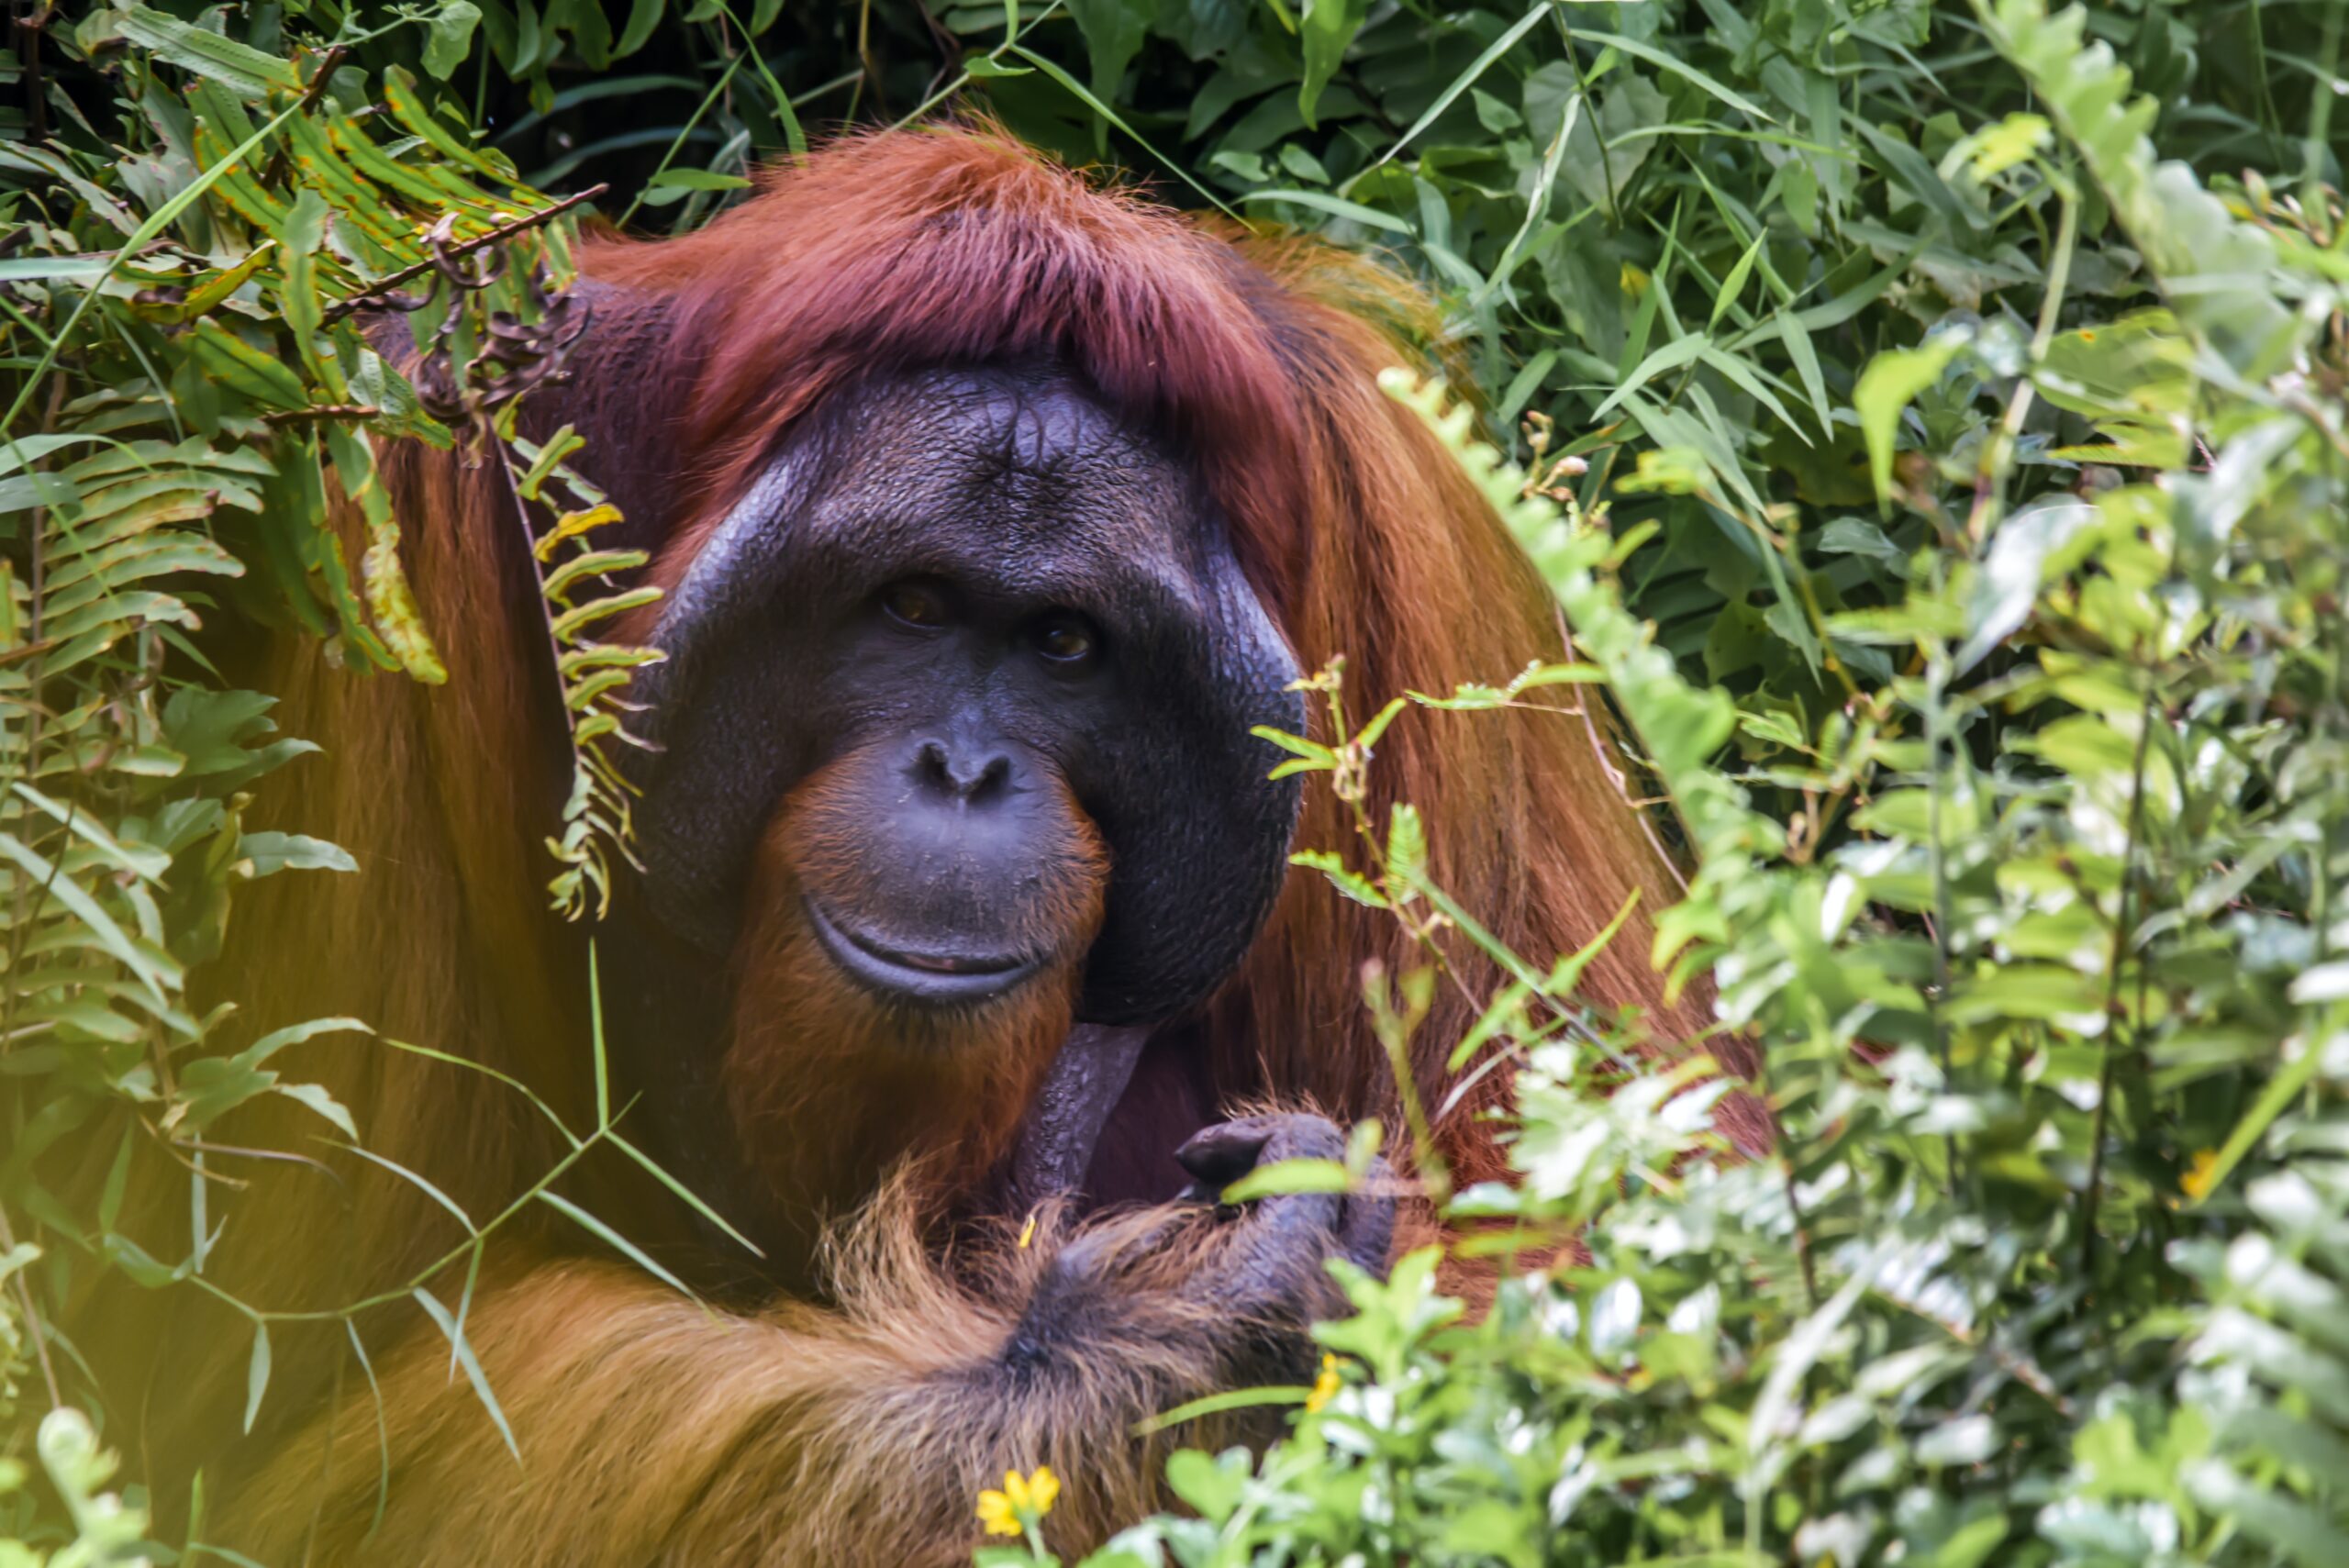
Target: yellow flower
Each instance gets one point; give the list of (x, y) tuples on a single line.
[(1023, 1500), (1325, 1387), (1632, 281), (995, 1512), (2197, 1180)]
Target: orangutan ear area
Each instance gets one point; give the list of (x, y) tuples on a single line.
[(1168, 784)]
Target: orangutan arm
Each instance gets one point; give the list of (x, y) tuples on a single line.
[(654, 1430)]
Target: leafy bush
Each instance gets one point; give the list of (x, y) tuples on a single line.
[(1946, 492)]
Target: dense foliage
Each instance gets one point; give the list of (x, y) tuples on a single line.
[(1949, 498)]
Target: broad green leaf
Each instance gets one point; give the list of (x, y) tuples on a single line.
[(1113, 32), (450, 37), (1891, 382), (1325, 28)]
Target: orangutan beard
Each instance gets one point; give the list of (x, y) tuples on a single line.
[(832, 1087)]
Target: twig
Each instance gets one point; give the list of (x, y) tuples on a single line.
[(29, 30), (32, 1320), (1802, 1234), (375, 292), (320, 412), (2120, 955), (321, 78)]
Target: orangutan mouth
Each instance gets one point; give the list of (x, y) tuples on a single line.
[(903, 974), (1088, 1076)]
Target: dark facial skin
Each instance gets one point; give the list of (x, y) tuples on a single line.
[(987, 615)]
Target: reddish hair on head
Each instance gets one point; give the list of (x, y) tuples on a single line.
[(902, 249)]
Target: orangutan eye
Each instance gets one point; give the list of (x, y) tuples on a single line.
[(914, 604), (1064, 637)]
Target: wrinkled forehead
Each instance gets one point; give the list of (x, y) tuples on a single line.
[(1025, 464), (1008, 420)]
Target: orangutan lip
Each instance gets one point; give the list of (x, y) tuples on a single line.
[(905, 975)]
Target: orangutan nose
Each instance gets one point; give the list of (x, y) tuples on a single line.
[(959, 771)]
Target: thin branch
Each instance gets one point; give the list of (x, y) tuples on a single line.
[(32, 1320), (377, 292)]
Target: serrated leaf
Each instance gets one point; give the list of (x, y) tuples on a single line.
[(1347, 881), (1407, 844)]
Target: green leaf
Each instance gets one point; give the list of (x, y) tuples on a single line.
[(472, 1365), (1113, 32), (1336, 206), (243, 70), (696, 180), (1677, 67), (390, 601), (450, 39), (271, 853), (1289, 1176), (1347, 881), (1210, 1485), (1326, 28), (1462, 82), (644, 15), (1406, 843), (2279, 1092), (156, 971), (1995, 149), (1887, 387), (1806, 361), (1297, 745), (1373, 732), (684, 1193), (2028, 547), (116, 1182), (614, 1240), (256, 1374), (1734, 285), (1217, 1404), (1672, 356), (418, 1183), (1090, 101)]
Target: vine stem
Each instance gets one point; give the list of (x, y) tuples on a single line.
[(32, 1319), (2088, 1199)]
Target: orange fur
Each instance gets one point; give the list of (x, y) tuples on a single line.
[(653, 1430), (794, 1438)]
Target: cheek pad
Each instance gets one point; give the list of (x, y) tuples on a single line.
[(1198, 834)]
